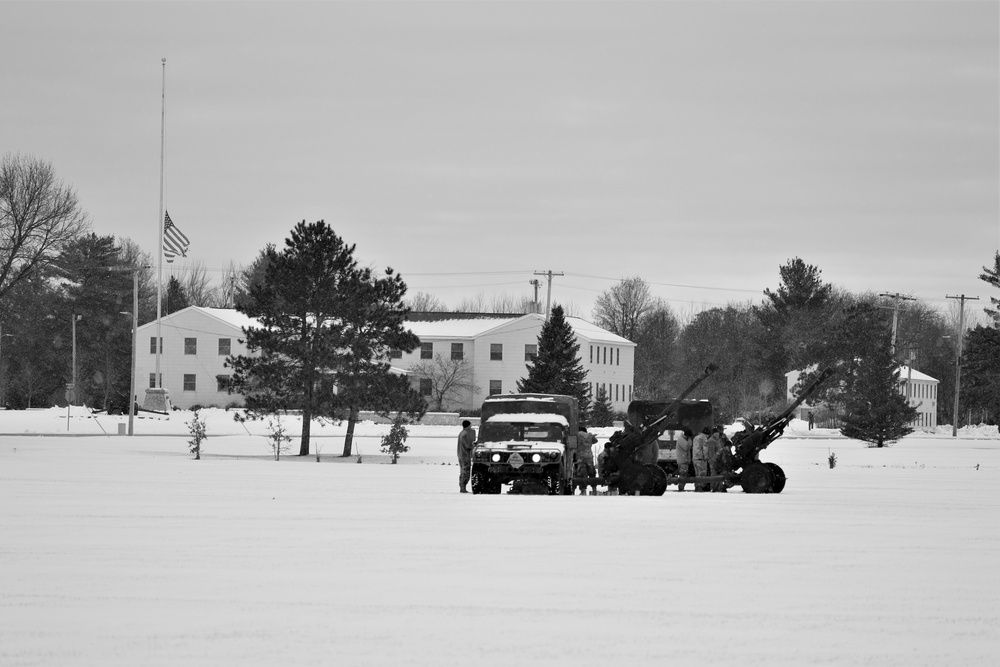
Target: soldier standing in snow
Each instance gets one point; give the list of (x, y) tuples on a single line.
[(699, 453), (684, 446), (585, 459), (466, 441)]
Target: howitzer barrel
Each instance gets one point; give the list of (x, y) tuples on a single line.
[(805, 394), (749, 445), (629, 440)]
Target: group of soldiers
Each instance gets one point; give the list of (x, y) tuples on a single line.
[(707, 454)]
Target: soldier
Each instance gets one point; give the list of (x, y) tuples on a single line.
[(723, 462), (684, 446), (699, 453), (714, 450), (466, 441), (585, 460)]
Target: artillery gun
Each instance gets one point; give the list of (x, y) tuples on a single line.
[(756, 476), (626, 474)]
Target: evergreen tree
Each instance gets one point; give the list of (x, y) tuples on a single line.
[(176, 298), (300, 306), (374, 322), (876, 411), (981, 370), (601, 413), (323, 321), (992, 277), (557, 368)]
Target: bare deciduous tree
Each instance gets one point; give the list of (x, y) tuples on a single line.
[(38, 214), (198, 286), (422, 302), (620, 309), (448, 379)]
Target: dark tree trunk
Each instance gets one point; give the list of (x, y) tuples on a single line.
[(349, 438), (306, 422)]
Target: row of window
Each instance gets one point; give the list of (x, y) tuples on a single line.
[(614, 392), (191, 382), (921, 390), (458, 352), (924, 419), (191, 346), (602, 355)]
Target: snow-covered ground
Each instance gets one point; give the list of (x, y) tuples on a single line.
[(125, 551)]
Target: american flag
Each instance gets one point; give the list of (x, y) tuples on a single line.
[(174, 241)]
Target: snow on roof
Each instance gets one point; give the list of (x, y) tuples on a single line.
[(530, 418), (456, 328), (915, 375), (230, 316), (473, 327)]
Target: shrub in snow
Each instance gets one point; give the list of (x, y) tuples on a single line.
[(395, 442), (198, 434), (832, 459), (279, 438)]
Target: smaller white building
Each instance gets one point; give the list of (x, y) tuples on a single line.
[(921, 389), (195, 343)]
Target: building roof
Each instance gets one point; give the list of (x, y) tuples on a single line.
[(230, 316), (915, 375), (460, 325)]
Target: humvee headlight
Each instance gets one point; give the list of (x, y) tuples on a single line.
[(495, 458), (536, 458)]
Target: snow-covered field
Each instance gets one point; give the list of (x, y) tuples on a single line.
[(125, 551)]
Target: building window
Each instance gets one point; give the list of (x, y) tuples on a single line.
[(457, 351), (395, 354), (225, 347), (618, 357), (591, 354), (189, 382), (496, 351), (222, 382), (496, 387), (425, 386), (530, 352), (152, 345), (190, 346), (427, 350), (152, 380), (605, 355)]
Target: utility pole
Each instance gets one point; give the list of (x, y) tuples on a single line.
[(536, 283), (958, 359), (897, 297), (548, 299)]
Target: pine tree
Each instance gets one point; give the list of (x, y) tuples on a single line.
[(323, 320), (176, 298), (601, 413), (557, 368), (876, 411)]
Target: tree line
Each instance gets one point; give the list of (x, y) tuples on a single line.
[(57, 277), (805, 324)]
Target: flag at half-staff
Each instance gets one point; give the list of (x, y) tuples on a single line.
[(174, 241)]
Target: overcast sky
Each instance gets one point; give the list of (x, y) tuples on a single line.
[(468, 145)]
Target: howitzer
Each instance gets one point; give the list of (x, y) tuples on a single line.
[(757, 477), (631, 476)]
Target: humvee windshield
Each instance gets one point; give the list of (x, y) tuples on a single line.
[(520, 432)]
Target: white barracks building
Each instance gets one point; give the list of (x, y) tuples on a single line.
[(196, 342)]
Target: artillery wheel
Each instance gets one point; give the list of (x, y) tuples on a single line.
[(636, 477), (659, 479), (779, 477), (757, 478)]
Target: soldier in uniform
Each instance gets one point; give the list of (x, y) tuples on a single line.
[(684, 446), (585, 459), (466, 442), (699, 453)]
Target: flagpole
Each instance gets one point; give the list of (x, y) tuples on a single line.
[(157, 380)]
